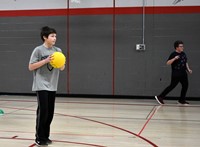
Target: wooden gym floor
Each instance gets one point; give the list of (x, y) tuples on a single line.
[(95, 122)]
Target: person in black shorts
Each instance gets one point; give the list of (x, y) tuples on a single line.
[(180, 67)]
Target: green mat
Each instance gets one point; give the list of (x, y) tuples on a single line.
[(1, 112)]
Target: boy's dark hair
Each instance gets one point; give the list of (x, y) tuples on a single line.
[(45, 31), (176, 43)]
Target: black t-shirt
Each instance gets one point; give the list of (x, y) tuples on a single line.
[(179, 65)]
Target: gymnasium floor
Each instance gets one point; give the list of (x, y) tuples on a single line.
[(95, 122)]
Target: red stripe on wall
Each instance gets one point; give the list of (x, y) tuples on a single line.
[(113, 48), (68, 50), (102, 11)]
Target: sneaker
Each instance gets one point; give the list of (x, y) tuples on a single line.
[(183, 103), (40, 143), (49, 141), (159, 100)]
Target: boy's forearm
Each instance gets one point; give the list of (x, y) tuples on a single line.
[(187, 66), (169, 62), (37, 65)]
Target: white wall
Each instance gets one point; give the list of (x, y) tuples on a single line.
[(32, 4), (60, 4)]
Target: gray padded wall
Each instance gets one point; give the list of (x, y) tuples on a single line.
[(146, 73), (136, 73), (19, 36), (167, 29), (91, 55)]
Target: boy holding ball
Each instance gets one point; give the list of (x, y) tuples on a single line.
[(45, 81)]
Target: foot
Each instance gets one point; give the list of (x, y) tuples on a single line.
[(41, 143), (183, 103), (159, 100), (49, 141)]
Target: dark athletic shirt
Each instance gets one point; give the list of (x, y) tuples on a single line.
[(179, 65)]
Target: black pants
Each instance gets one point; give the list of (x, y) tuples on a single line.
[(175, 79), (45, 112)]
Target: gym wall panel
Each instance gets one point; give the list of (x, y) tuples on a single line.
[(91, 55), (100, 46), (19, 36)]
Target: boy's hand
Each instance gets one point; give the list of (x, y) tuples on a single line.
[(176, 57), (49, 58), (190, 71)]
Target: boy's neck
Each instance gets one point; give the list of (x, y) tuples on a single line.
[(47, 45)]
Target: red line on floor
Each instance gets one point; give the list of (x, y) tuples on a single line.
[(60, 141), (32, 145), (113, 126), (100, 103), (68, 134), (152, 114), (14, 137)]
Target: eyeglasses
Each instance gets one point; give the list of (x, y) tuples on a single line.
[(180, 46)]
